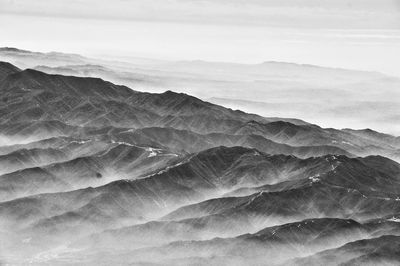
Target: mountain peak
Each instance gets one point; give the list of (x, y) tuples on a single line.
[(7, 69), (13, 49), (66, 85), (170, 92)]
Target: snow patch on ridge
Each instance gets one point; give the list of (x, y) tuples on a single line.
[(314, 178), (123, 143), (394, 219), (153, 152), (80, 141)]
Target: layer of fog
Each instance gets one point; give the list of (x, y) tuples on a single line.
[(215, 251)]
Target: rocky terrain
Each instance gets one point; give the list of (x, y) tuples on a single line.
[(94, 173)]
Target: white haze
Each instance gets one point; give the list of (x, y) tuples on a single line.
[(360, 34)]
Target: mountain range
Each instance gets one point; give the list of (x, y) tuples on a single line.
[(98, 173)]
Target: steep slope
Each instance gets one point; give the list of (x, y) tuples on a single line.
[(270, 245), (29, 158), (33, 95), (198, 176), (7, 69), (28, 182), (185, 140), (225, 168), (383, 250), (30, 131), (311, 199), (53, 142), (180, 104), (88, 210), (349, 189), (213, 172), (19, 157), (106, 162)]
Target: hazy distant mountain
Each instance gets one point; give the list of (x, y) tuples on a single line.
[(344, 112), (326, 96), (28, 58)]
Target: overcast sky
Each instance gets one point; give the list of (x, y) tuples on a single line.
[(360, 34)]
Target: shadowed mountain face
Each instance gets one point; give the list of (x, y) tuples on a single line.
[(96, 173)]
